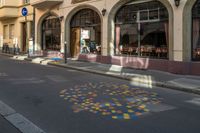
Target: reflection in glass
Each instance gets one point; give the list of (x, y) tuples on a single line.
[(196, 31), (51, 33)]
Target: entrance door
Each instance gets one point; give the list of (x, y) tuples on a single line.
[(24, 43), (75, 42)]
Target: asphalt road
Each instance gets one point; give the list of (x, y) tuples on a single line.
[(60, 100)]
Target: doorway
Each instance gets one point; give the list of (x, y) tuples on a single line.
[(75, 41), (85, 33)]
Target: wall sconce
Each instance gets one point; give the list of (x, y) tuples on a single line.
[(103, 12), (177, 2)]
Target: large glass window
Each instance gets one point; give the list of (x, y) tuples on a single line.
[(196, 31), (85, 33), (142, 30), (51, 30)]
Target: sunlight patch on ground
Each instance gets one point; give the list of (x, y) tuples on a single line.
[(19, 57), (142, 81), (37, 60), (116, 68)]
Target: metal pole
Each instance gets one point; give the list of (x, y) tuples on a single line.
[(27, 46), (33, 32), (139, 36), (65, 45)]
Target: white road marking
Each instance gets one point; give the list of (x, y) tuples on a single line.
[(159, 107), (3, 75), (5, 109), (56, 78), (18, 120), (26, 81), (195, 101), (185, 83), (23, 124)]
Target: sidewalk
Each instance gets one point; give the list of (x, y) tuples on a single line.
[(144, 78)]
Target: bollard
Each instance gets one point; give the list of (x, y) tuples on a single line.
[(65, 44)]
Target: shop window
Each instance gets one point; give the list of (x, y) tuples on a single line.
[(196, 31), (145, 33), (51, 30)]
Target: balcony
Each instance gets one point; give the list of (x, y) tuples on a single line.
[(45, 3), (7, 12)]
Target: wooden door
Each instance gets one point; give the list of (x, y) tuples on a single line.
[(75, 42)]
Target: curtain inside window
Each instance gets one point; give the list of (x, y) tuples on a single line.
[(196, 29), (117, 39), (167, 32)]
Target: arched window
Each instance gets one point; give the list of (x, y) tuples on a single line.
[(196, 31), (141, 29), (85, 33), (51, 30)]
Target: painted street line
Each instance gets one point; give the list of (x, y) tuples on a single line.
[(19, 121), (195, 101), (186, 83), (5, 110), (23, 124), (56, 78), (160, 107), (3, 74), (26, 81)]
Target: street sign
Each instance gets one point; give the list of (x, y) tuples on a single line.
[(24, 11)]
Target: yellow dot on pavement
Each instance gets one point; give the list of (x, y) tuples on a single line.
[(113, 111), (114, 117), (126, 116), (130, 111), (107, 104)]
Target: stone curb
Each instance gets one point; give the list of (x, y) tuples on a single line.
[(155, 83), (4, 54), (28, 59)]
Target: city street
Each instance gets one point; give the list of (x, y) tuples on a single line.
[(61, 100)]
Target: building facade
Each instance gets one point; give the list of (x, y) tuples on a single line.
[(15, 29), (147, 34)]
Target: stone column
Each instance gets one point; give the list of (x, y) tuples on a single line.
[(178, 31), (62, 23), (105, 48)]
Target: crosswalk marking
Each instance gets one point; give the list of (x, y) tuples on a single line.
[(26, 81)]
